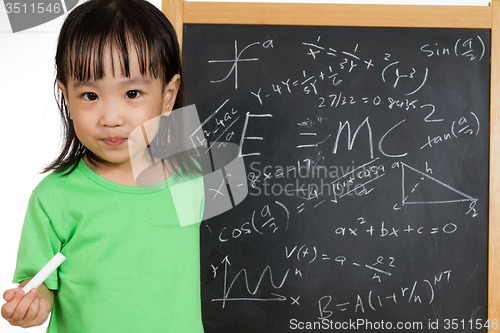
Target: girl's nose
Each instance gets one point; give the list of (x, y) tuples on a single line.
[(111, 115)]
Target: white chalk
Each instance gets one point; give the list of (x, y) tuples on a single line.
[(44, 273)]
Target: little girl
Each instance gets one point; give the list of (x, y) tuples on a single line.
[(130, 266)]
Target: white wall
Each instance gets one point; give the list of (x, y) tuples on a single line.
[(31, 129)]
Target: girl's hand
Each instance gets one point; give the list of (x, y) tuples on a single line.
[(25, 310)]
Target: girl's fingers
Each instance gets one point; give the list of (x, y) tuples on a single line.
[(32, 311), (25, 310), (43, 313), (23, 306), (9, 295), (9, 308)]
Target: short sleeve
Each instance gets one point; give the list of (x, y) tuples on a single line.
[(38, 244)]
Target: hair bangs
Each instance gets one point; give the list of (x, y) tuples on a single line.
[(86, 55), (113, 31)]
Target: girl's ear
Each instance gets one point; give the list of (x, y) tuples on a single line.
[(170, 94), (65, 94)]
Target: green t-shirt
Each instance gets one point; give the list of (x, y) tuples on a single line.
[(130, 266)]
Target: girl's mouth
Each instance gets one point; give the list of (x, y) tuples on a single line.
[(113, 142)]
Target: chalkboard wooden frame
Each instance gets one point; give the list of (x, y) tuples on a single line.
[(473, 17)]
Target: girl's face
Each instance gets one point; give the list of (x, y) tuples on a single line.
[(105, 111)]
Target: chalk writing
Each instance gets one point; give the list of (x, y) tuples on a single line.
[(366, 154), (421, 292), (243, 272)]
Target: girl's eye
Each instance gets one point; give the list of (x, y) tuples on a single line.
[(90, 96), (132, 94)]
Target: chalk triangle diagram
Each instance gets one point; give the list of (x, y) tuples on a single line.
[(420, 188)]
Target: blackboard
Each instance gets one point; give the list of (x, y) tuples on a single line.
[(367, 161)]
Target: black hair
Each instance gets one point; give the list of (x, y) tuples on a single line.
[(97, 26)]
